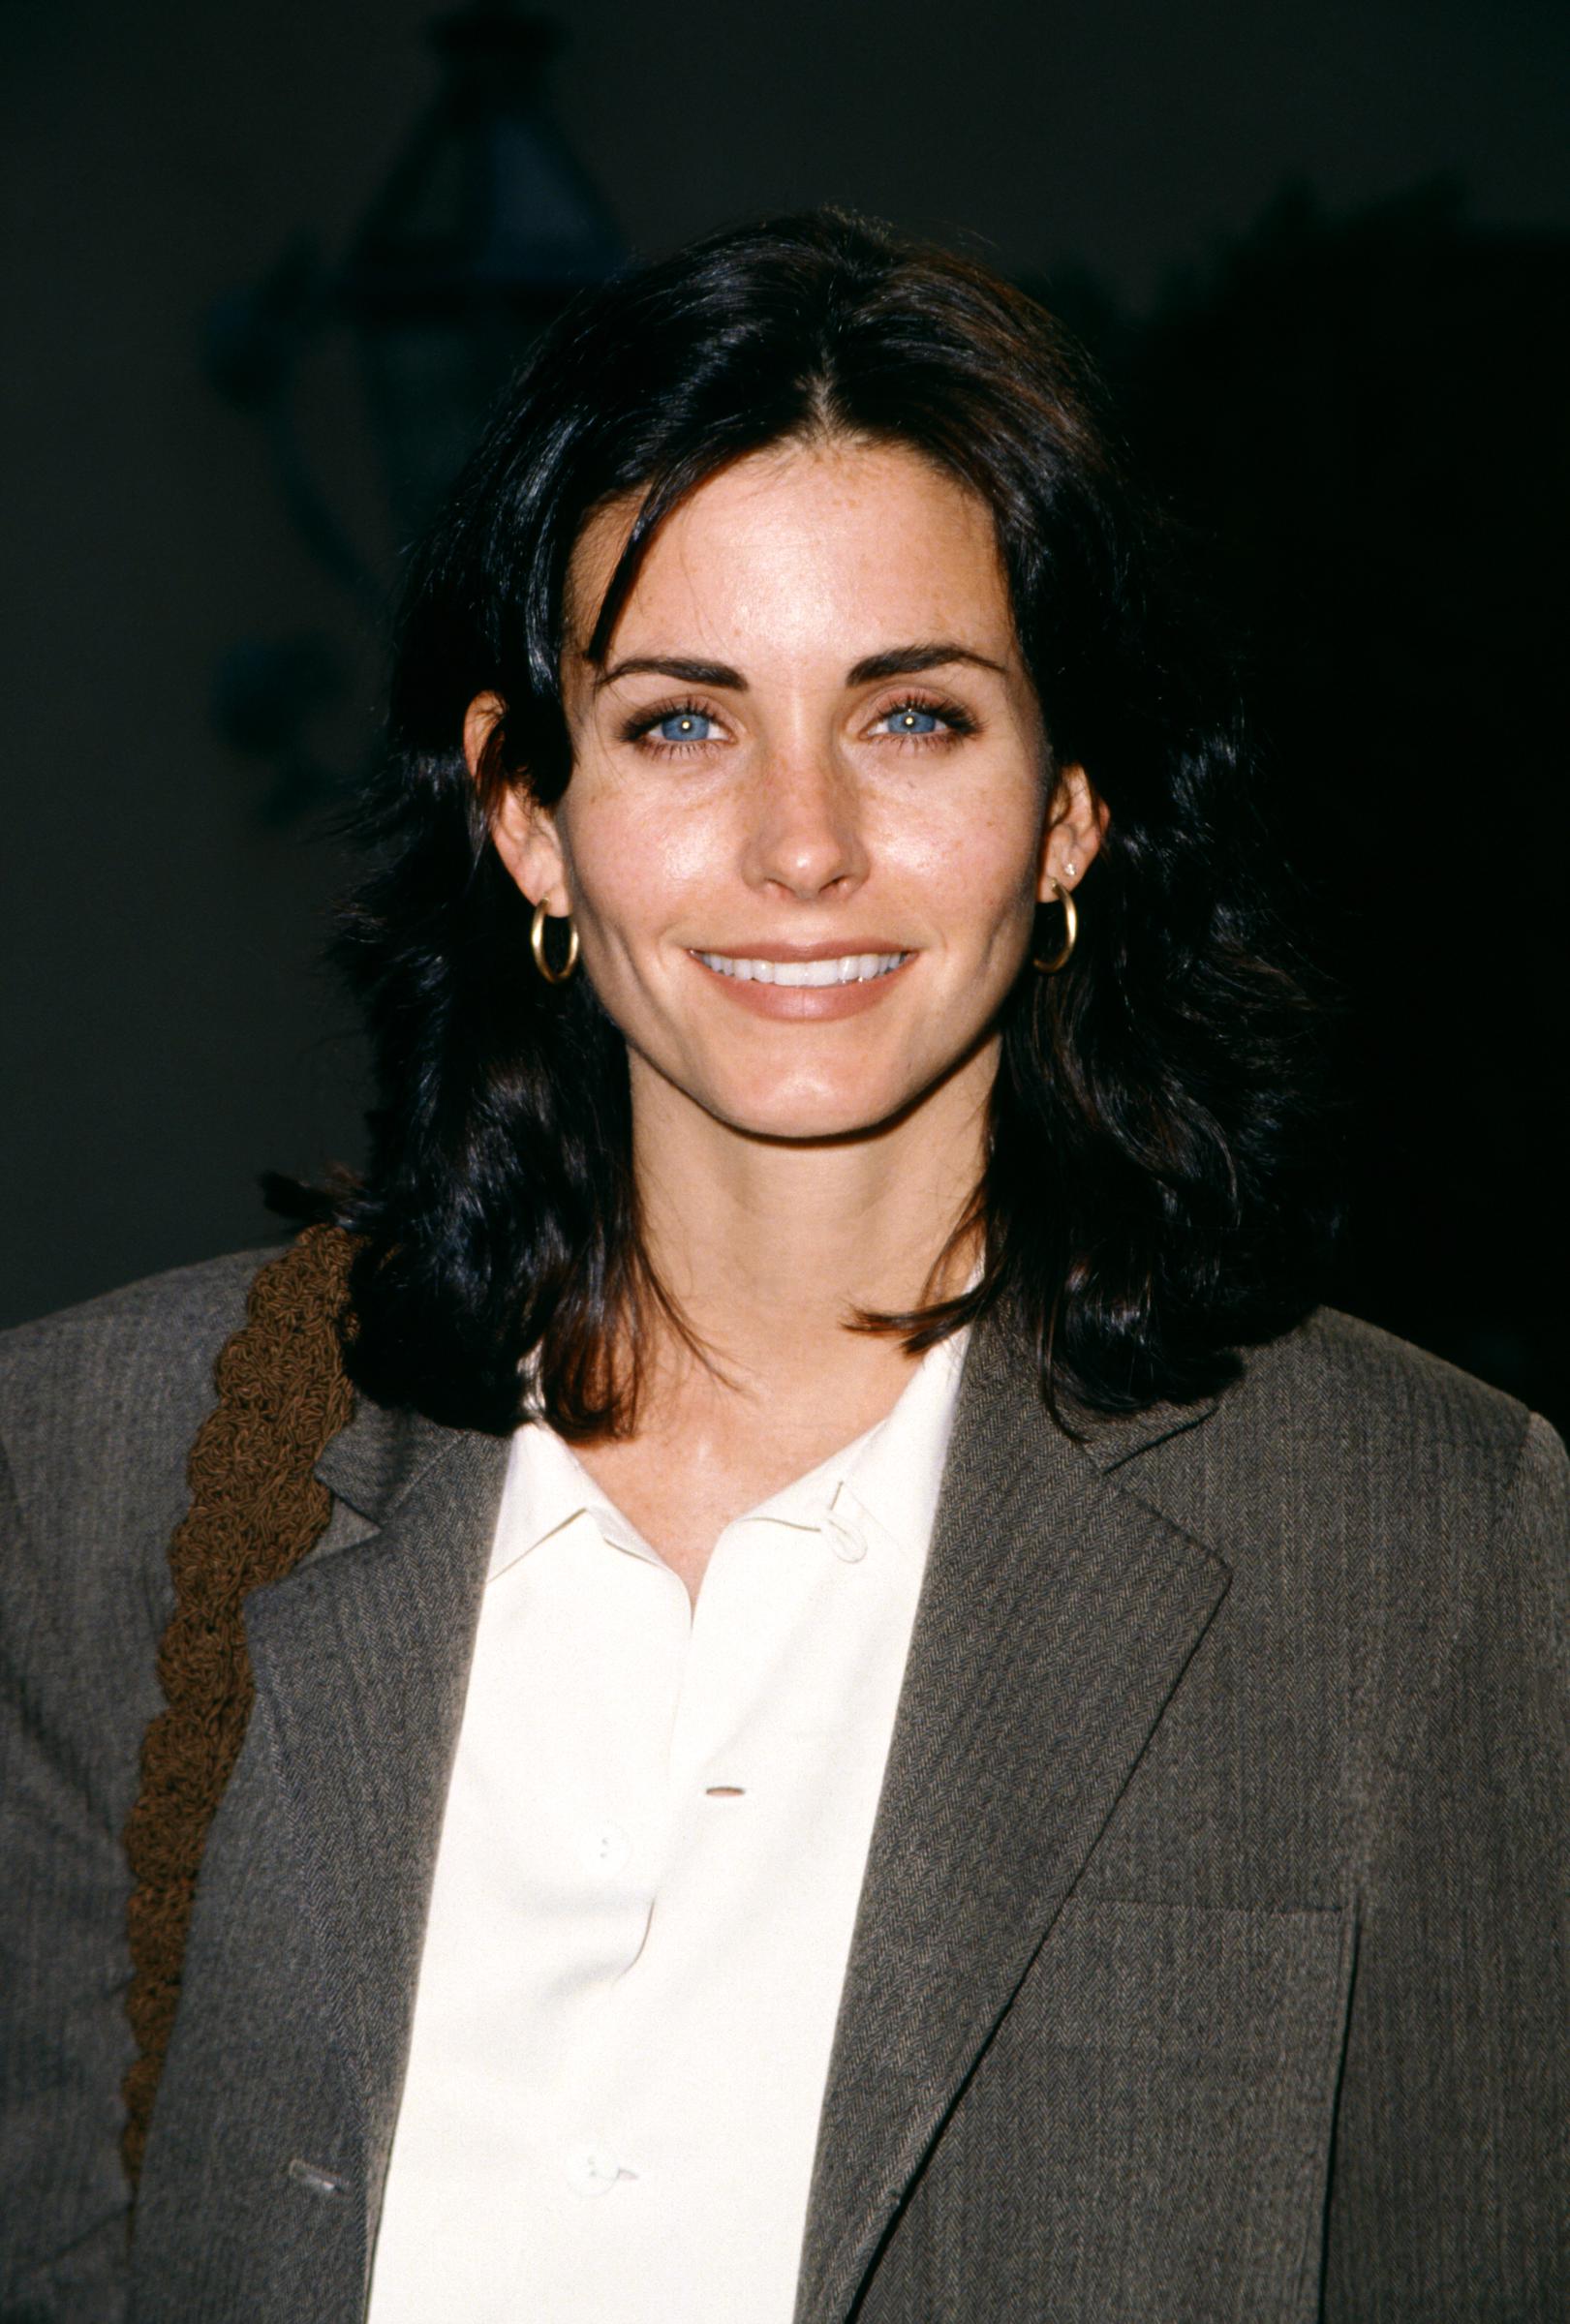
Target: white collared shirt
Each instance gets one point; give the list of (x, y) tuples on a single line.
[(654, 1844)]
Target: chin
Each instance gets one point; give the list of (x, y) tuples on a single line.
[(802, 1116)]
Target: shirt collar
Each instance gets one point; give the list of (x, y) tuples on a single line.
[(882, 1487), (888, 1478), (548, 1487)]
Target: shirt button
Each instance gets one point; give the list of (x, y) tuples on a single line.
[(606, 1847), (592, 2170)]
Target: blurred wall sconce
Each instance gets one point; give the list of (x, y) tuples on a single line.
[(486, 227)]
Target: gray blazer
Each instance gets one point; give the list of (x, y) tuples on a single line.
[(1210, 1961)]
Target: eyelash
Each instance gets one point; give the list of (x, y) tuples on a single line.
[(958, 723), (639, 729)]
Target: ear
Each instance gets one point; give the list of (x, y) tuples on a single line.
[(1076, 825), (523, 833)]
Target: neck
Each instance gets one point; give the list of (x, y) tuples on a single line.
[(770, 1247)]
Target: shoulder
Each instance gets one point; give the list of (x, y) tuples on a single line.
[(1343, 1426), (160, 1308), (97, 1408), (1349, 1382), (116, 1386)]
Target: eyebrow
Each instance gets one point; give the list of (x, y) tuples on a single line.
[(905, 661), (899, 661), (690, 673)]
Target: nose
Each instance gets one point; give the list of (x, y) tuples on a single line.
[(805, 835)]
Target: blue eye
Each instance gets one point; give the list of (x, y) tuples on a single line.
[(914, 717), (685, 726)]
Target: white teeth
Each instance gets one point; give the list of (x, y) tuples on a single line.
[(849, 968)]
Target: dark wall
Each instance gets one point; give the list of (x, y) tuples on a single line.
[(1374, 426)]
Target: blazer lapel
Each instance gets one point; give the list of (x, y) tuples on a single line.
[(361, 1658), (1056, 1617)]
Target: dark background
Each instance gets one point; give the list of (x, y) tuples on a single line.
[(1321, 254)]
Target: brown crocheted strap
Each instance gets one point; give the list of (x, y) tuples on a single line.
[(256, 1509)]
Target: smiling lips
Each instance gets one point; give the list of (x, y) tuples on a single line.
[(842, 969), (825, 984)]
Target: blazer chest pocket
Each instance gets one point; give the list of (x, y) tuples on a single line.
[(1149, 2128)]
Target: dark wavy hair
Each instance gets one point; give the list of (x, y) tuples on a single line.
[(1148, 1203)]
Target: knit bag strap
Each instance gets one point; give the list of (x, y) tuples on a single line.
[(256, 1509)]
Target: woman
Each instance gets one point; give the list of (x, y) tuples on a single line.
[(875, 1718)]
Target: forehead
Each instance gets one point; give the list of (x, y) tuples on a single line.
[(802, 546)]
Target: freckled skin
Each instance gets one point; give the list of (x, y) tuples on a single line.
[(802, 818)]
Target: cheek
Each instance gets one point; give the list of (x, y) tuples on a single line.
[(977, 858), (632, 866)]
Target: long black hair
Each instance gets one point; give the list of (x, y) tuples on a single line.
[(1148, 1204)]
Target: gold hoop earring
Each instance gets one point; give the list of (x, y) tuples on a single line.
[(1063, 956), (537, 945)]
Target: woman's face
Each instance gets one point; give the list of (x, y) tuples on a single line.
[(809, 816)]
